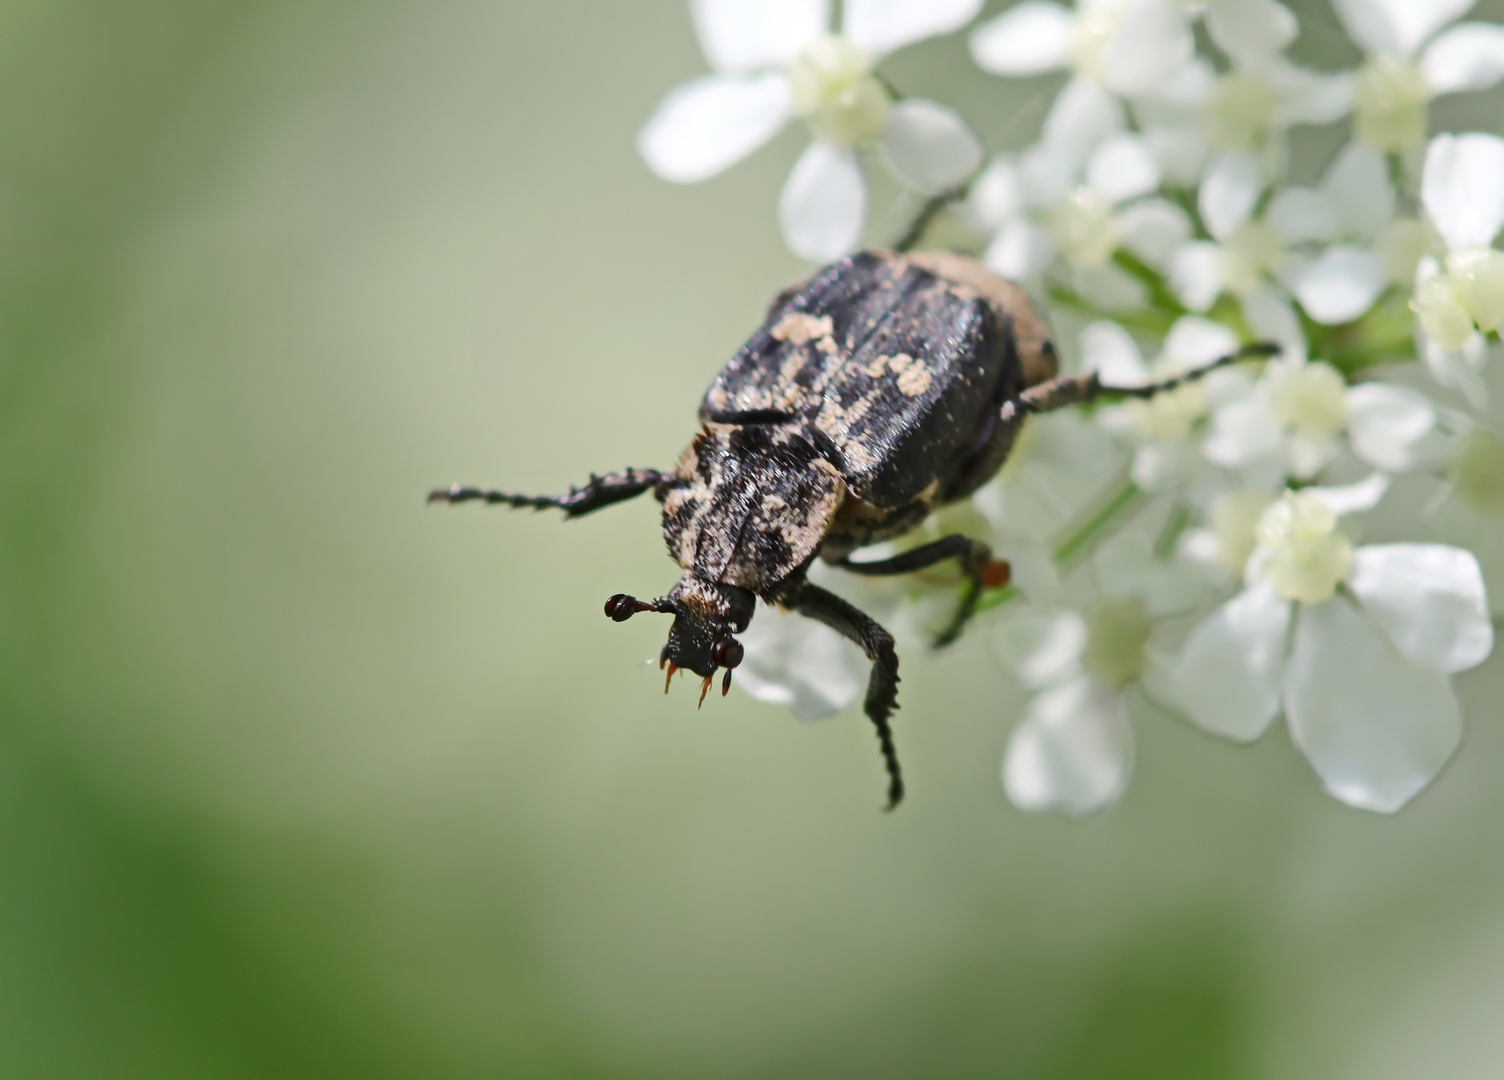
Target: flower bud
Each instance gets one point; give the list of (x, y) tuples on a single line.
[(832, 86), (1390, 98), (1476, 470), (1442, 314), (1477, 275), (1084, 228), (1307, 556)]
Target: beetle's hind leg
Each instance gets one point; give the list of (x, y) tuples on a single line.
[(600, 491), (877, 643), (976, 562)]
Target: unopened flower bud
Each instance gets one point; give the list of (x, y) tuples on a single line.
[(832, 86), (1238, 111), (1307, 556), (1390, 98), (1084, 228), (1477, 471), (1117, 633), (1477, 274), (1442, 314)]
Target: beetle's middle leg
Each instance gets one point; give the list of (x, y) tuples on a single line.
[(600, 491), (976, 562), (882, 687)]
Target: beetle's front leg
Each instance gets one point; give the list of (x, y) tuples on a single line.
[(976, 563), (600, 491), (877, 643)]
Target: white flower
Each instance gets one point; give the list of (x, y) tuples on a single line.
[(1072, 751), (775, 60), (1128, 47), (1364, 680), (1469, 510), (1457, 302), (1293, 423), (1041, 204), (1164, 430)]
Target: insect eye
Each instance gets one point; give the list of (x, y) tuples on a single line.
[(727, 653)]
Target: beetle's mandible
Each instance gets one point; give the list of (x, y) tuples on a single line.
[(882, 388)]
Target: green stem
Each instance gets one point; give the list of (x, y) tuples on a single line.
[(1084, 537), (1170, 534)]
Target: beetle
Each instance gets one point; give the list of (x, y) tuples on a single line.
[(883, 387)]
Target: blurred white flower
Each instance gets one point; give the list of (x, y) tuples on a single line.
[(1294, 422), (800, 664), (1470, 511), (1165, 430), (1412, 59), (1072, 751), (1364, 680), (1458, 301), (775, 60)]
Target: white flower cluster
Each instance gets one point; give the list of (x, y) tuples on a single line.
[(1199, 551)]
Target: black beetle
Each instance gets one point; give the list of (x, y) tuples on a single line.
[(883, 387)]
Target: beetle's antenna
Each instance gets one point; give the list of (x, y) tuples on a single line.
[(621, 607), (600, 491), (1247, 352)]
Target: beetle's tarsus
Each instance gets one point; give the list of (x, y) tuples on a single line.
[(877, 643), (601, 491), (925, 218), (1079, 389)]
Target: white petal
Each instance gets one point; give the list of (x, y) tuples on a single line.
[(1396, 27), (1046, 173), (1466, 57), (1151, 42), (800, 664), (1194, 342), (1069, 441), (1228, 192), (1180, 149), (711, 123), (1153, 229), (1027, 39), (1429, 601), (1020, 252), (1462, 370), (1194, 274), (1111, 352), (1386, 424), (1250, 28), (1083, 115), (1340, 285), (1375, 727), (1357, 183), (1242, 433), (1229, 674), (1043, 647), (1109, 287), (997, 195), (824, 203), (1271, 317), (1309, 97), (739, 35), (1299, 214), (1072, 752), (884, 25), (1463, 188), (1122, 168), (1353, 498), (929, 147)]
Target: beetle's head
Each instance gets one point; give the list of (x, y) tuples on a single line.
[(706, 618)]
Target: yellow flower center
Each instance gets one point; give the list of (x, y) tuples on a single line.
[(1117, 636), (832, 86), (1390, 98), (1477, 471), (1307, 555)]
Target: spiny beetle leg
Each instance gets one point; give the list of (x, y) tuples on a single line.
[(599, 492), (1078, 389), (877, 643)]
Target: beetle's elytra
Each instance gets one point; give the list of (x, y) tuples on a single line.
[(883, 387)]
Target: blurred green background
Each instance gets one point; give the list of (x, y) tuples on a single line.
[(301, 778)]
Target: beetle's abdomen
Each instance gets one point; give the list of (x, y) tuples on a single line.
[(749, 504)]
